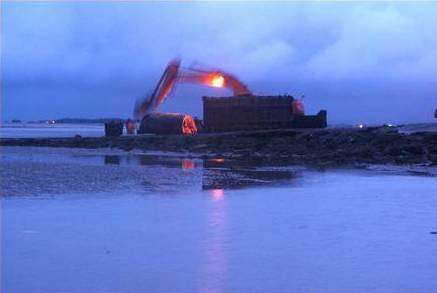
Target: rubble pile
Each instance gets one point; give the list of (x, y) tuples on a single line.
[(378, 145)]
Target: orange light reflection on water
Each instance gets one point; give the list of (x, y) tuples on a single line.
[(188, 164), (213, 274), (217, 194)]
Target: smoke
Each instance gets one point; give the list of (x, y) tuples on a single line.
[(95, 59)]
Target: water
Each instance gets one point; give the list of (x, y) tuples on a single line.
[(109, 221), (33, 130)]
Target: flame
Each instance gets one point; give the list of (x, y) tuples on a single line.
[(218, 81)]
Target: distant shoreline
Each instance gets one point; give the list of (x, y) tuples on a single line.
[(64, 121)]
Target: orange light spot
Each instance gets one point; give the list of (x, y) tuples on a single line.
[(218, 81), (218, 193), (189, 126), (298, 108), (218, 160), (188, 164)]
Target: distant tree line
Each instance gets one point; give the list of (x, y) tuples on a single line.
[(87, 120)]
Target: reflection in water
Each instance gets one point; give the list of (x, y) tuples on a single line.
[(213, 271), (217, 173), (114, 160), (145, 173), (217, 194), (149, 160), (218, 160), (188, 164), (221, 174)]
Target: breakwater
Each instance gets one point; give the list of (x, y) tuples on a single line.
[(348, 146)]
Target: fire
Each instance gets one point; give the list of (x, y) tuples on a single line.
[(218, 81)]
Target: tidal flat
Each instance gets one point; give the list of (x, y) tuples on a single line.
[(81, 220)]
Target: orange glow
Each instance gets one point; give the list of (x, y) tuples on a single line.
[(188, 164), (298, 108), (218, 193), (218, 81), (218, 160), (189, 126)]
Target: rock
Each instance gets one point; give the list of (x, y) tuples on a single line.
[(321, 147), (414, 149)]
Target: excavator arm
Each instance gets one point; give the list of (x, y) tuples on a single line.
[(174, 73)]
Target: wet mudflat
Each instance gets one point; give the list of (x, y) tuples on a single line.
[(108, 221)]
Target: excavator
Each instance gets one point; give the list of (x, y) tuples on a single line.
[(155, 122), (174, 73)]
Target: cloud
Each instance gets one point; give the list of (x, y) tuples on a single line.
[(375, 43), (358, 41), (123, 46)]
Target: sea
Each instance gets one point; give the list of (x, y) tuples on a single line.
[(105, 220), (40, 130)]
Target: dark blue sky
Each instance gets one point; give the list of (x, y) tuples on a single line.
[(373, 63)]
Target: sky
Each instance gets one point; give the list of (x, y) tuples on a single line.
[(362, 62)]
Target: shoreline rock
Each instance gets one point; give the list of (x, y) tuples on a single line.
[(321, 147)]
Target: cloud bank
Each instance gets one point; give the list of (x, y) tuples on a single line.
[(92, 59)]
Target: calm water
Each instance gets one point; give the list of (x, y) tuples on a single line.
[(27, 130), (106, 221)]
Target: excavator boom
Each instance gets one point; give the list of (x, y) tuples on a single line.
[(175, 74)]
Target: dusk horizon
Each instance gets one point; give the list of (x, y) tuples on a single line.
[(218, 146), (91, 60)]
